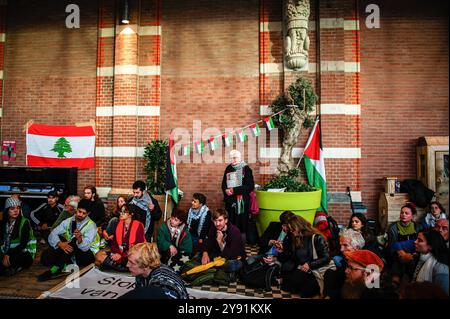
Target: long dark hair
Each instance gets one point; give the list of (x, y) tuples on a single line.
[(361, 217), (438, 248)]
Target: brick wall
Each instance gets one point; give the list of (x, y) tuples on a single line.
[(216, 60), (50, 73), (404, 88), (209, 73)]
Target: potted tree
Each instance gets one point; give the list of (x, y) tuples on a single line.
[(301, 198), (155, 168)]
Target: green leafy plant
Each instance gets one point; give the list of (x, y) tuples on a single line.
[(289, 180), (155, 167), (298, 102)]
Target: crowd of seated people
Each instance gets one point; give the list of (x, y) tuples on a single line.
[(83, 232)]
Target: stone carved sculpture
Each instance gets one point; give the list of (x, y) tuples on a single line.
[(296, 14)]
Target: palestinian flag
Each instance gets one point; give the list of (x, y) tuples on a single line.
[(60, 146), (255, 129), (315, 165), (268, 122), (212, 144), (227, 139), (186, 149), (199, 147), (171, 171), (241, 136)]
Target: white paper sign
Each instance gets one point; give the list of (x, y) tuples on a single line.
[(96, 284)]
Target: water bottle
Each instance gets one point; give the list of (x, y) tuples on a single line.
[(397, 186)]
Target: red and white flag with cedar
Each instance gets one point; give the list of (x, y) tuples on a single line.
[(315, 164), (60, 146)]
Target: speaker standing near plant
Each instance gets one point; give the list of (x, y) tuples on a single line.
[(237, 184)]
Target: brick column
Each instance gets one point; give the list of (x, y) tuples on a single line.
[(149, 78), (128, 93), (3, 9), (105, 95)]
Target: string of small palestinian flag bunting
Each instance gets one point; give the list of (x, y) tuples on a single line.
[(227, 138)]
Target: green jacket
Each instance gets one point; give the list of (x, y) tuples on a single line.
[(183, 243)]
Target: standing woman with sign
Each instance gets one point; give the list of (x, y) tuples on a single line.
[(237, 184)]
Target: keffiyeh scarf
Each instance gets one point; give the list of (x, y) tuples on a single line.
[(198, 214)]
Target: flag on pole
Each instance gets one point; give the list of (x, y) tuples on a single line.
[(212, 144), (255, 129), (315, 165), (199, 147), (171, 171), (60, 146), (186, 149), (268, 122), (227, 139), (241, 136)]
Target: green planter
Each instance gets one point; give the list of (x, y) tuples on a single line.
[(272, 204)]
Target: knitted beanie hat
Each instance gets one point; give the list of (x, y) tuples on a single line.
[(11, 202)]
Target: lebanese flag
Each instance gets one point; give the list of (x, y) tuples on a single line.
[(60, 146), (315, 165)]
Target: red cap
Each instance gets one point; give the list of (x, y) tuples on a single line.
[(364, 258)]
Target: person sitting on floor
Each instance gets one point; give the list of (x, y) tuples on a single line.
[(363, 273), (97, 211), (401, 237), (150, 211), (297, 257), (70, 207), (144, 263), (45, 215), (75, 240), (199, 221), (433, 259), (442, 228), (128, 232), (436, 212), (112, 218), (174, 241), (271, 240), (349, 240), (17, 242), (224, 240), (358, 222)]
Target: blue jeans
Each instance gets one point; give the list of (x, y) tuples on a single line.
[(232, 265)]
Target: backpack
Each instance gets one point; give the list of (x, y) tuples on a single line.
[(417, 191), (260, 275), (333, 240)]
